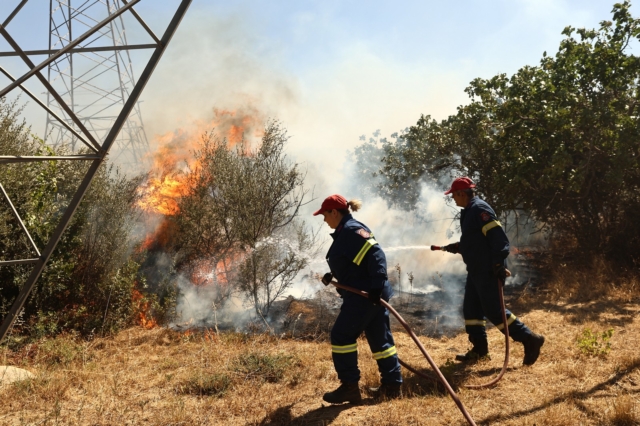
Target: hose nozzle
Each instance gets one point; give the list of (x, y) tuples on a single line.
[(433, 248)]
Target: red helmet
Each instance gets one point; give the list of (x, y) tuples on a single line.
[(460, 184), (334, 201)]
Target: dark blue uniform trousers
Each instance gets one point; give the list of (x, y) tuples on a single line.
[(358, 314), (482, 300)]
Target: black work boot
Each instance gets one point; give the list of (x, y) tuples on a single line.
[(346, 392), (387, 391), (473, 355), (532, 347), (480, 350)]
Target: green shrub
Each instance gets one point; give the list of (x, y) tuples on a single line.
[(207, 384), (59, 351), (88, 282), (265, 368), (594, 344), (557, 141)]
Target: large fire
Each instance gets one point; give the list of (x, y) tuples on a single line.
[(174, 156), (159, 196), (166, 182)]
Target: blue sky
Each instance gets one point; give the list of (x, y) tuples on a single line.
[(330, 70)]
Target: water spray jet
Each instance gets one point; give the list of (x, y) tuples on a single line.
[(390, 249)]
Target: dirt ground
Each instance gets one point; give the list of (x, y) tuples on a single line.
[(164, 377)]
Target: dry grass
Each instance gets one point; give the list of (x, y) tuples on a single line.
[(592, 279), (162, 377)]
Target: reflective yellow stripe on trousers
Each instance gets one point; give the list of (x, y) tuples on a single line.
[(510, 321), (475, 322), (344, 349), (385, 354)]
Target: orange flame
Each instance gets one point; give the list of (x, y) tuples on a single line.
[(208, 271), (160, 194), (143, 318), (210, 335), (522, 252), (160, 238)]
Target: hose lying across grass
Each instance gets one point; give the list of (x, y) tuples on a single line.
[(441, 378)]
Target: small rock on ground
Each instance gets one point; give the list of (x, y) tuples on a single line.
[(10, 374)]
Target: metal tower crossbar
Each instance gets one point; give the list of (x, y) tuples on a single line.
[(74, 124)]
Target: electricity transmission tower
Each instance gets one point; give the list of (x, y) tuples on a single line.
[(77, 116), (95, 84)]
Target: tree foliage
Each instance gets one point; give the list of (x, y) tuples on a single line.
[(241, 208), (87, 284), (559, 140)]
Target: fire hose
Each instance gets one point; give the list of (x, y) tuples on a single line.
[(506, 336), (441, 378)]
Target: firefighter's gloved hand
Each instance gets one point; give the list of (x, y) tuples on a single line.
[(374, 295), (500, 271), (452, 248), (326, 279)]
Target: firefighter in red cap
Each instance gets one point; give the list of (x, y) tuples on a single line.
[(484, 247), (356, 259)]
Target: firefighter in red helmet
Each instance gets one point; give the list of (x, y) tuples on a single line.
[(356, 259), (484, 247)]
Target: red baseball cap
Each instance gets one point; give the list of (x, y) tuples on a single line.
[(334, 201), (459, 184)]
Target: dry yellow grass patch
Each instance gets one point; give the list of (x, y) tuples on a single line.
[(164, 377)]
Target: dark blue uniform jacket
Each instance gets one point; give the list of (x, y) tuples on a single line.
[(483, 242), (356, 259)]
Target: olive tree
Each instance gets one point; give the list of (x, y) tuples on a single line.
[(242, 207)]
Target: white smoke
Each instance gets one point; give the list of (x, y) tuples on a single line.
[(323, 124), (196, 307), (406, 238)]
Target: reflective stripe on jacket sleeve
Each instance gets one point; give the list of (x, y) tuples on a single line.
[(482, 323), (489, 226), (363, 251)]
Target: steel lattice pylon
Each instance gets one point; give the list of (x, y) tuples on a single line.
[(97, 145), (95, 84)]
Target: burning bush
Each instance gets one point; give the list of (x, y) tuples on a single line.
[(239, 217)]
